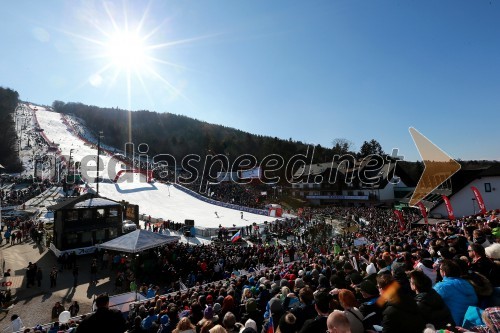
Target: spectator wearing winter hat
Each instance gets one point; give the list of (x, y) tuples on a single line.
[(164, 325), (217, 308), (371, 273), (252, 325), (208, 321)]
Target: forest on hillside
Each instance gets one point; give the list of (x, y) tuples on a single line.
[(167, 133), (9, 157)]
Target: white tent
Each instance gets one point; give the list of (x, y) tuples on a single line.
[(138, 241)]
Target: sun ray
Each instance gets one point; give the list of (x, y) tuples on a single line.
[(144, 87), (127, 48), (170, 86), (181, 41)]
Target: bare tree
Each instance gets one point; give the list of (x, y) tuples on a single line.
[(341, 146)]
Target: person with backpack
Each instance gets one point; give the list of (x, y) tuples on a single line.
[(350, 305)]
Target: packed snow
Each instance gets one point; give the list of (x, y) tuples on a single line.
[(156, 199)]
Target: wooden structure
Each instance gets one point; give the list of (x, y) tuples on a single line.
[(84, 221)]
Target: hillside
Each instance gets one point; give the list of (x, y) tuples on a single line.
[(167, 133), (8, 148)]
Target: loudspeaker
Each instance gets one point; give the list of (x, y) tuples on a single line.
[(189, 223)]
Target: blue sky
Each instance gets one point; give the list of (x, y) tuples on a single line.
[(308, 70)]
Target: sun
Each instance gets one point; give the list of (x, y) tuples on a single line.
[(127, 46), (127, 51)]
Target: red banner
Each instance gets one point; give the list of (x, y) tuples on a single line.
[(449, 208), (401, 220), (479, 199), (423, 211)]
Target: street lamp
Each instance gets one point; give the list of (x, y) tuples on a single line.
[(473, 206)]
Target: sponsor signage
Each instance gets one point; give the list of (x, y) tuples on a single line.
[(11, 282), (79, 251)]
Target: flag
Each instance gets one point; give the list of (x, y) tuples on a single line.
[(449, 208), (360, 241), (336, 249), (270, 327), (401, 220), (479, 199), (423, 211), (236, 236), (182, 286)]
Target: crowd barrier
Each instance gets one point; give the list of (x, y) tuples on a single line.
[(221, 204)]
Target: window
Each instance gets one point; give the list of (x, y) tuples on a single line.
[(100, 234), (101, 213), (72, 215), (487, 187), (113, 232), (87, 214), (71, 238), (87, 237), (113, 212)]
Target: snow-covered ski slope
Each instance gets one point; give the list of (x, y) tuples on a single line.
[(156, 199)]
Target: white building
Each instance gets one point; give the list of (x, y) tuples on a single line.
[(462, 199), (325, 184)]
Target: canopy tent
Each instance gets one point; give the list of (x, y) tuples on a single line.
[(138, 241)]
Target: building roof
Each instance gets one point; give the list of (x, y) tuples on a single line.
[(84, 201), (492, 171), (361, 167), (460, 180), (96, 202)]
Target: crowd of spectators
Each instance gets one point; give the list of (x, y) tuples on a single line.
[(399, 281), (21, 190)]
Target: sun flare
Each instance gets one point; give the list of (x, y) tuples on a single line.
[(127, 50)]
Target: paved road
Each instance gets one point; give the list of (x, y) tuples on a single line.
[(34, 305)]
